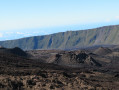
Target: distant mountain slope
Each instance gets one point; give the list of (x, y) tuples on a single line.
[(107, 35)]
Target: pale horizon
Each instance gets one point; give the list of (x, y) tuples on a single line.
[(26, 18)]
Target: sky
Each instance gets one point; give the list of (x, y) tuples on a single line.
[(24, 18)]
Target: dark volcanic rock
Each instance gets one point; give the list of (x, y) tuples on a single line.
[(16, 51), (73, 59)]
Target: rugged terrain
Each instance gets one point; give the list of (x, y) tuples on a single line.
[(85, 69), (107, 35)]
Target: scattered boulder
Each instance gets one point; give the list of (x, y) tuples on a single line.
[(117, 75)]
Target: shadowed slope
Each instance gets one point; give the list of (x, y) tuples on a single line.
[(102, 51), (16, 51)]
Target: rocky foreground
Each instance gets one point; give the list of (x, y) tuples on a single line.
[(60, 80), (54, 70)]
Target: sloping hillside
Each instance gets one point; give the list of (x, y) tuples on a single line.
[(16, 51), (107, 35), (102, 51)]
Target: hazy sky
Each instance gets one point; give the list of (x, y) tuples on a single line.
[(37, 17)]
